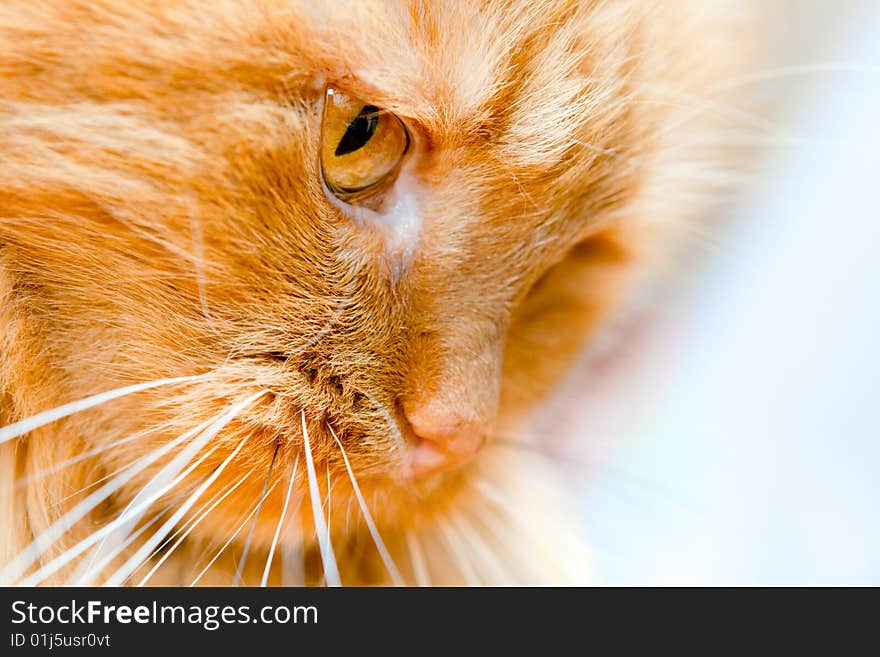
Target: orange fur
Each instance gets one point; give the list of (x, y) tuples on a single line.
[(161, 215)]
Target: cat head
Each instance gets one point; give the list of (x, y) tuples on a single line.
[(383, 226)]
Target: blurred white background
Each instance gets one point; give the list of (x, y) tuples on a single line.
[(738, 440)]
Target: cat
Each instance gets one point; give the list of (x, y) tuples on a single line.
[(282, 280)]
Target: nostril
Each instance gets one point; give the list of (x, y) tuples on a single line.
[(443, 442)]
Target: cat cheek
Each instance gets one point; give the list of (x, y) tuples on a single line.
[(403, 224), (399, 222)]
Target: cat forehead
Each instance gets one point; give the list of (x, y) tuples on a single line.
[(458, 66), (447, 62)]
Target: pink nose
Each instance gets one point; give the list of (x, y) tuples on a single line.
[(443, 442)]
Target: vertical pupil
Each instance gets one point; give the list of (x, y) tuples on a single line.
[(359, 131)]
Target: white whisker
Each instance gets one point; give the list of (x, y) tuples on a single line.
[(137, 507), (280, 523), (225, 545), (170, 475), (605, 151), (96, 482), (186, 525), (417, 556), (209, 431), (192, 526), (46, 417), (250, 536), (454, 545), (86, 578), (329, 495), (317, 337), (14, 569), (24, 481), (774, 74), (117, 578), (368, 518), (198, 243), (331, 571), (482, 550), (504, 532), (389, 419)]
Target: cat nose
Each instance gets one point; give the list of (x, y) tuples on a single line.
[(443, 442)]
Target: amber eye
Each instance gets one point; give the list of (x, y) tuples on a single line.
[(362, 146)]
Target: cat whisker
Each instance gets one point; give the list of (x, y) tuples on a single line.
[(122, 573), (453, 546), (320, 334), (505, 442), (193, 524), (368, 518), (97, 482), (207, 431), (417, 557), (225, 545), (598, 466), (507, 535), (721, 139), (170, 475), (492, 494), (15, 568), (27, 425), (293, 563), (705, 101), (783, 72), (85, 578), (328, 501), (348, 506), (331, 571), (329, 507), (693, 105), (185, 525), (247, 544), (138, 506), (292, 479), (502, 531), (605, 151), (481, 548), (24, 481), (391, 423)]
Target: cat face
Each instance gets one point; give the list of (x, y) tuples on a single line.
[(385, 225)]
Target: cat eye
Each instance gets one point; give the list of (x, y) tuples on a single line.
[(362, 147)]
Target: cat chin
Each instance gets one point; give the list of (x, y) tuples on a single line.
[(480, 526)]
